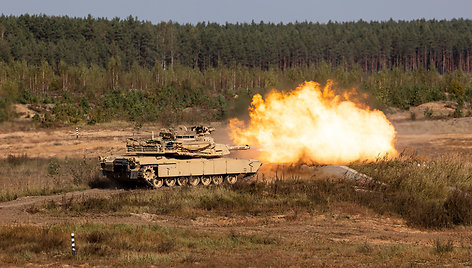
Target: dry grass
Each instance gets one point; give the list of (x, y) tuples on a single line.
[(125, 244), (426, 178), (420, 194), (427, 193), (22, 175), (120, 244), (245, 198), (431, 193), (288, 196)]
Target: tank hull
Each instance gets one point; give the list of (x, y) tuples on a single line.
[(146, 168)]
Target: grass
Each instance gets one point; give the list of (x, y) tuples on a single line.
[(443, 247), (426, 178), (123, 245), (421, 204), (126, 244), (427, 193), (23, 176), (248, 199), (431, 193)]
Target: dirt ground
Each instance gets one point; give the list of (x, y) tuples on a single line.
[(426, 137), (348, 223)]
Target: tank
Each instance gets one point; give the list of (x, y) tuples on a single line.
[(183, 156)]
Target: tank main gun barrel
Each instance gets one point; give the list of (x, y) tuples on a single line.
[(235, 148)]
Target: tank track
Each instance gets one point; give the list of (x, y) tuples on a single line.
[(155, 182)]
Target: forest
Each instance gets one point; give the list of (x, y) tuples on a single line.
[(95, 69)]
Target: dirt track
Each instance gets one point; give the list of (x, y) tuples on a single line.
[(16, 211)]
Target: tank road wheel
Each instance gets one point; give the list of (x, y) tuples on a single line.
[(217, 180), (194, 181), (157, 183), (181, 181), (206, 180), (170, 181), (231, 179)]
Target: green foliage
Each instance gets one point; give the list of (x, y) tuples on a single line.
[(221, 106), (413, 95), (26, 96), (66, 113), (166, 99), (133, 70), (120, 44), (131, 105), (456, 89)]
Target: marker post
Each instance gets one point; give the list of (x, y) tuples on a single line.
[(73, 244)]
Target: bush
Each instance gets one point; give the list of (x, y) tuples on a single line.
[(428, 113), (456, 89), (26, 97), (458, 111)]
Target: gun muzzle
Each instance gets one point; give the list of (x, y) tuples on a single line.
[(234, 148)]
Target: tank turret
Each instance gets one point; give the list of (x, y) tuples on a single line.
[(179, 156), (178, 143)]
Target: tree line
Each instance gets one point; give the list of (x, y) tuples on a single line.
[(95, 70), (445, 45)]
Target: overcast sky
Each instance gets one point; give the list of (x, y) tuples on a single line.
[(221, 11)]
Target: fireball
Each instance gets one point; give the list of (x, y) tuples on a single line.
[(315, 126)]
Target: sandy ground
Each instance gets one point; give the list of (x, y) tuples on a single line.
[(428, 137)]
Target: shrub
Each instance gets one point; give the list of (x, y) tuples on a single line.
[(456, 89), (458, 111), (428, 113)]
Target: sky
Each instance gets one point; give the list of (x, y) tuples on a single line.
[(232, 11)]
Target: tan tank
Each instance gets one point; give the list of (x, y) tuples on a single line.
[(179, 157)]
